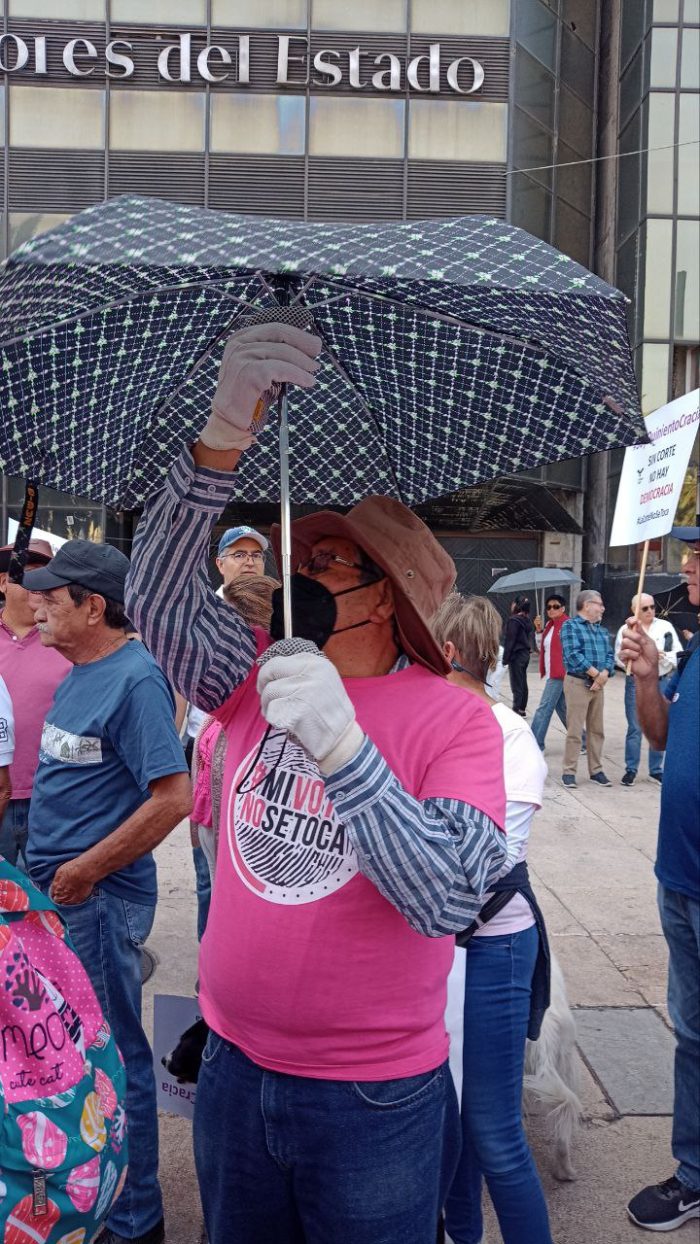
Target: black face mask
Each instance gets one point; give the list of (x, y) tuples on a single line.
[(314, 610)]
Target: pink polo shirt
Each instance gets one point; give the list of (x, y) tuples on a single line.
[(32, 674), (304, 964)]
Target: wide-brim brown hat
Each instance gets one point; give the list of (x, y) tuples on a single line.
[(40, 554), (421, 571)]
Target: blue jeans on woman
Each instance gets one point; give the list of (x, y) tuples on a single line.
[(680, 921), (494, 1145), (553, 701), (299, 1161), (107, 933), (633, 738)]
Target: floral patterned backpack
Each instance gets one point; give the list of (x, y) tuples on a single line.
[(62, 1080)]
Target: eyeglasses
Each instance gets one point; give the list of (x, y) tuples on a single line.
[(648, 609), (242, 555), (554, 607), (320, 562)]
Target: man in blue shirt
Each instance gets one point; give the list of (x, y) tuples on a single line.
[(110, 784), (671, 722), (589, 662)]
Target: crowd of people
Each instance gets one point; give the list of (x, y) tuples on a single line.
[(360, 821)]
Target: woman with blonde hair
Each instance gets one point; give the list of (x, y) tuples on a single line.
[(499, 989)]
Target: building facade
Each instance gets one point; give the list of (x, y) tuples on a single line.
[(358, 110)]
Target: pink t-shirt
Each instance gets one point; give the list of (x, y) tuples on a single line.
[(202, 812), (32, 674), (304, 965)]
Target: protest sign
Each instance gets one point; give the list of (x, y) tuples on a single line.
[(652, 475), (171, 1017)]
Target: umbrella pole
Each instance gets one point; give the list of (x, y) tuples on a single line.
[(640, 589), (285, 513)]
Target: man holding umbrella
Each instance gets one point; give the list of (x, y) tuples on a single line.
[(361, 798)]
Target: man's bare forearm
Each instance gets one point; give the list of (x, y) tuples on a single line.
[(141, 832), (652, 712)]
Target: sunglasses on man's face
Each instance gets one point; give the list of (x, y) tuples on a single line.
[(554, 606), (648, 609)]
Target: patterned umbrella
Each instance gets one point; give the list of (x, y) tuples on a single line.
[(454, 351)]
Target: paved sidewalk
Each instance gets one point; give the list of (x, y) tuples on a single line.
[(591, 857)]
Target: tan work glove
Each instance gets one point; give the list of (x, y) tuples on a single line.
[(254, 360)]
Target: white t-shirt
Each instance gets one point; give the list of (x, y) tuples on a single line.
[(524, 773), (657, 631)]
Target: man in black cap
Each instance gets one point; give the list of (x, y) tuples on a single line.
[(111, 783)]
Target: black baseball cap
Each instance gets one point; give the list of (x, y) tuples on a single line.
[(99, 567)]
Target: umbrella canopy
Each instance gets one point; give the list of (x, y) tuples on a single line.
[(532, 580), (454, 351)]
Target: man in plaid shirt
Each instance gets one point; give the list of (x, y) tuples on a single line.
[(588, 661)]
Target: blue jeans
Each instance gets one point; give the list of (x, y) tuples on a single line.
[(299, 1161), (553, 701), (680, 921), (633, 738), (202, 878), (494, 1145), (14, 828), (108, 933)]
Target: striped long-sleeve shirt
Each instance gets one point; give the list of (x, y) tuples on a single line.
[(432, 859)]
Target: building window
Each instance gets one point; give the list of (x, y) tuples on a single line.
[(665, 10), (65, 117), (664, 45), (531, 207), (688, 164), (574, 179), (156, 120), (575, 123), (690, 60), (659, 164), (67, 10), (358, 15), (26, 225), (687, 299), (536, 30), (533, 147), (455, 17), (572, 233), (691, 12), (456, 130), (258, 124), (657, 281), (534, 88), (628, 184), (263, 14), (172, 12), (580, 17), (356, 127), (654, 383)]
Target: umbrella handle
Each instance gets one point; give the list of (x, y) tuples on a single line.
[(285, 513)]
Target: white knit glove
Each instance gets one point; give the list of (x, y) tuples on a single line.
[(305, 696), (254, 360)]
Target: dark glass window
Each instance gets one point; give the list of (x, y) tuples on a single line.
[(631, 87), (575, 123), (534, 88), (536, 30), (533, 146), (628, 179), (626, 279), (580, 16), (531, 207), (633, 27), (569, 473), (577, 66), (572, 233), (574, 183)]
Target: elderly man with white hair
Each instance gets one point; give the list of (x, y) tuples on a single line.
[(667, 645)]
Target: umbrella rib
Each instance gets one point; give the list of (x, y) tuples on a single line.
[(369, 413), (427, 314), (125, 302)]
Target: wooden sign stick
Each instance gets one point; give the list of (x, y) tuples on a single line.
[(640, 588)]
